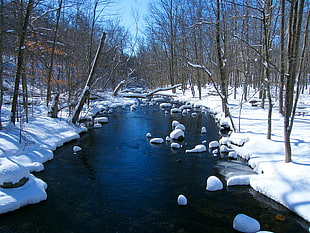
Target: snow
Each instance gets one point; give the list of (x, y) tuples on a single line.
[(32, 192), (244, 223), (174, 123), (11, 172), (214, 184), (175, 145), (177, 134), (182, 200), (197, 149), (214, 144), (157, 140), (180, 126), (76, 149), (239, 180), (101, 119), (165, 105), (286, 183), (203, 130)]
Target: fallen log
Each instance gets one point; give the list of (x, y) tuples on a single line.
[(151, 93)]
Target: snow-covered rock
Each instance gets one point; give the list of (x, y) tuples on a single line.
[(174, 124), (186, 106), (203, 130), (197, 149), (12, 173), (76, 149), (175, 110), (194, 114), (214, 144), (175, 145), (182, 200), (239, 180), (224, 141), (215, 152), (97, 125), (244, 223), (232, 155), (214, 184), (157, 140), (177, 134), (180, 126), (238, 139), (165, 105), (101, 119), (148, 135), (224, 149), (133, 107), (33, 191), (168, 139)]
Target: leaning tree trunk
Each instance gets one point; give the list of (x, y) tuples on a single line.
[(20, 60), (90, 81)]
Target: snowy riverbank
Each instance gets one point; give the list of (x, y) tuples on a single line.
[(31, 145), (288, 184)]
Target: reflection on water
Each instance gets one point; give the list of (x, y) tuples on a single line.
[(121, 183)]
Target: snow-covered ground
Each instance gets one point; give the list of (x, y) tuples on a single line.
[(288, 184)]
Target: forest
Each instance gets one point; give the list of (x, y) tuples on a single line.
[(48, 49)]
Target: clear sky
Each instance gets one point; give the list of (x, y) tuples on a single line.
[(129, 9)]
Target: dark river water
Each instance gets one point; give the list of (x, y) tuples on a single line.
[(122, 183)]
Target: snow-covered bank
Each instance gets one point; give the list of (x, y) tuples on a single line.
[(25, 147), (286, 183), (38, 139)]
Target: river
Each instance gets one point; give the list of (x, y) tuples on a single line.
[(120, 182)]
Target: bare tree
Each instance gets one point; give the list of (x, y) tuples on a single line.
[(51, 65), (90, 81), (20, 58), (267, 16), (295, 21)]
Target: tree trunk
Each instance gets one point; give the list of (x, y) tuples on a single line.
[(294, 34), (90, 81), (20, 60), (25, 93), (51, 66), (282, 56), (267, 16)]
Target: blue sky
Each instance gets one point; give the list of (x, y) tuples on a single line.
[(126, 8)]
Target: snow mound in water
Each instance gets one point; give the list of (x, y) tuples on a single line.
[(182, 200), (244, 223), (214, 184), (157, 140), (177, 134), (197, 149)]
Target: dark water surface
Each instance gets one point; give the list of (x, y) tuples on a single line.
[(122, 183)]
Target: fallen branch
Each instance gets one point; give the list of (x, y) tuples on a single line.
[(134, 95)]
